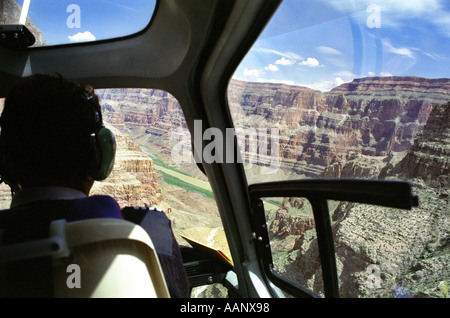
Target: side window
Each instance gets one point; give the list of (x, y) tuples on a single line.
[(293, 241), (64, 22), (363, 246), (155, 167), (352, 90)]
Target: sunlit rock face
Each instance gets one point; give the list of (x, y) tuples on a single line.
[(370, 116), (429, 157), (133, 181), (405, 246)]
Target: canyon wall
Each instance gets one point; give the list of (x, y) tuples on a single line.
[(376, 117), (148, 115), (133, 181), (410, 248), (373, 116), (429, 158)]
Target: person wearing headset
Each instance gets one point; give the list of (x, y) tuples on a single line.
[(53, 147), (52, 140)]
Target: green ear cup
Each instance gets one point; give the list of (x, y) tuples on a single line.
[(106, 143)]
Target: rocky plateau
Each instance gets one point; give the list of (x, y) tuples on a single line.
[(374, 116), (408, 247)]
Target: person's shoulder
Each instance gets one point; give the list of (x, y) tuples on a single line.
[(97, 206)]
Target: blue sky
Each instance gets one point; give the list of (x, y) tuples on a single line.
[(321, 44), (66, 21)]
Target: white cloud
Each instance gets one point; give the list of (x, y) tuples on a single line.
[(436, 57), (326, 85), (284, 61), (328, 50), (288, 55), (345, 74), (323, 86), (252, 73), (382, 74), (395, 13), (254, 77), (310, 61), (271, 67), (338, 81), (404, 51), (442, 20), (408, 7), (82, 37), (280, 81), (405, 8)]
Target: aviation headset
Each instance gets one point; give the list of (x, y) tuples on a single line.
[(102, 148), (103, 145)]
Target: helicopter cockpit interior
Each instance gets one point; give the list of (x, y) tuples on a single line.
[(298, 148)]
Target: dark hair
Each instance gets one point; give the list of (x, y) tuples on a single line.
[(46, 128)]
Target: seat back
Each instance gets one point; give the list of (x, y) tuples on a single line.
[(102, 257)]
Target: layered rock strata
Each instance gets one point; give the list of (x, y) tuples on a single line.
[(369, 116), (377, 116), (133, 181), (407, 247), (429, 157)]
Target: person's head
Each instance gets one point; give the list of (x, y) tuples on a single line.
[(49, 134)]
